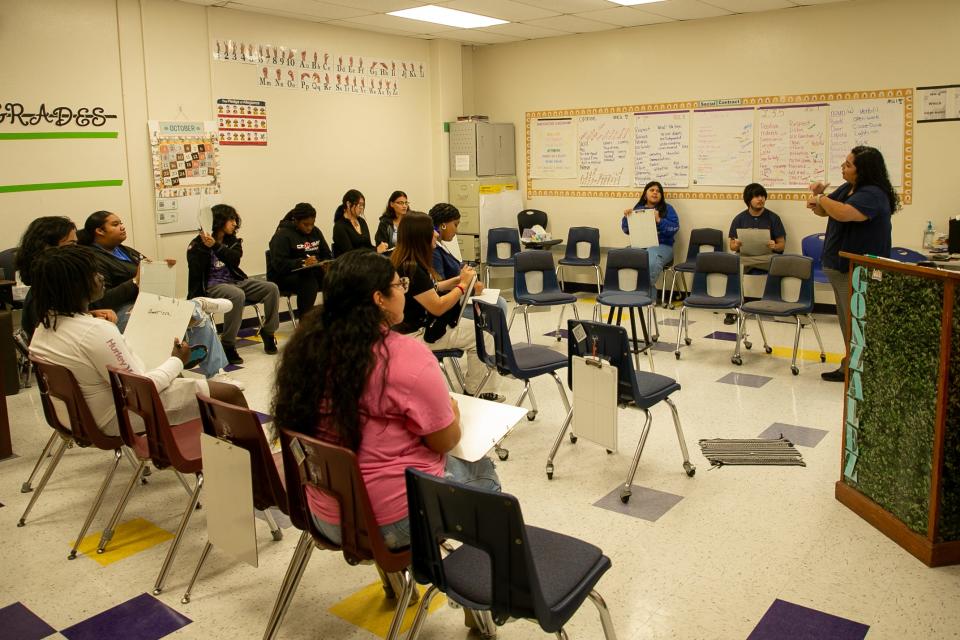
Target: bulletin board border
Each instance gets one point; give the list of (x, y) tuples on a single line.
[(906, 193)]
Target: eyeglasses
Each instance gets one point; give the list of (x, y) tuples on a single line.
[(401, 203), (403, 284)]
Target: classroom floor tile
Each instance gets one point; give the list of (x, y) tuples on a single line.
[(730, 336), (244, 342), (799, 436), (141, 618), (370, 610), (661, 345), (645, 503), (805, 354), (745, 379), (129, 538), (16, 621), (675, 322), (787, 620)]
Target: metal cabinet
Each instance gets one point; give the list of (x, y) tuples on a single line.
[(480, 148)]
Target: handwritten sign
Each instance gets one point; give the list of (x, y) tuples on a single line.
[(792, 145), (723, 146), (553, 144), (662, 148), (604, 150), (875, 123)]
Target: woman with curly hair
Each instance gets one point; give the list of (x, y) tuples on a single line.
[(378, 393)]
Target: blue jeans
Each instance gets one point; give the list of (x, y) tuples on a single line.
[(396, 535), (658, 258)]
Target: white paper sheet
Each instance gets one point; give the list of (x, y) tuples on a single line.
[(754, 242), (228, 498), (158, 278), (154, 322), (643, 229), (483, 424)]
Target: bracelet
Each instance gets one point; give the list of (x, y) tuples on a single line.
[(463, 291)]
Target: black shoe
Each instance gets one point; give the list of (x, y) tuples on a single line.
[(232, 356), (730, 318), (838, 375), (492, 397), (269, 342)]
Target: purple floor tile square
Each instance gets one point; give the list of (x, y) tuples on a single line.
[(646, 504), (232, 367), (787, 620), (553, 334), (799, 436), (722, 335), (243, 342), (660, 345), (16, 621), (745, 379), (264, 418), (141, 618), (249, 331)]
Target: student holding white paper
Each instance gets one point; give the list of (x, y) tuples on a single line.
[(668, 223)]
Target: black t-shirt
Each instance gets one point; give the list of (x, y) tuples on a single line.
[(870, 236), (415, 314), (346, 238), (766, 220)]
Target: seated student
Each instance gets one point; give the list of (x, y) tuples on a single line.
[(668, 223), (213, 263), (66, 281), (397, 207), (432, 304), (350, 230), (120, 267), (298, 243), (756, 216), (378, 393)]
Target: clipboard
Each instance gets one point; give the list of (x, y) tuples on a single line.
[(643, 229), (228, 498), (482, 425), (754, 242), (465, 299), (595, 401), (158, 278), (154, 322)]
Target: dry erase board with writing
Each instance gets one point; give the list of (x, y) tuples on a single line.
[(694, 147)]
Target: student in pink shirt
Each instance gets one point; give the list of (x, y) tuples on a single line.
[(346, 378)]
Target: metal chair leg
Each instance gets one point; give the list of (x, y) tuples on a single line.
[(27, 486), (513, 313), (446, 375), (559, 322), (526, 323), (599, 286), (563, 390), (680, 327), (402, 603), (576, 314), (183, 483), (275, 531), (796, 347), (605, 620), (562, 635), (556, 443), (741, 321), (483, 381), (196, 572), (484, 620), (421, 613), (293, 316), (298, 563), (763, 334), (626, 491), (673, 284), (458, 374), (654, 323), (689, 468), (175, 545), (43, 481), (95, 507), (107, 534), (816, 332)]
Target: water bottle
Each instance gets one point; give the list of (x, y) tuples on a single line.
[(928, 235)]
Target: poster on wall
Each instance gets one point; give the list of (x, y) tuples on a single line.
[(662, 148), (553, 144), (604, 150), (186, 171), (242, 123)]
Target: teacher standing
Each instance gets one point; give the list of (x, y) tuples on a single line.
[(858, 222)]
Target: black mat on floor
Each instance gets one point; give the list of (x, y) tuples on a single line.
[(776, 451)]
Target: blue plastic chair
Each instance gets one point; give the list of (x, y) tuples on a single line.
[(708, 264), (907, 255), (454, 355), (626, 286), (528, 264), (772, 304), (504, 567), (495, 238), (699, 238), (812, 247), (634, 388), (580, 238), (522, 361)]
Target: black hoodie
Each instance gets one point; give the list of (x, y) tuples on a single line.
[(289, 248)]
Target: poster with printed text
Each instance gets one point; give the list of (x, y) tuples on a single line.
[(242, 122), (185, 158)]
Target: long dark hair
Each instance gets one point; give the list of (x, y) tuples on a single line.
[(41, 234), (351, 198), (223, 213), (95, 221), (661, 206), (302, 211), (414, 245), (325, 368), (388, 212), (872, 170), (64, 281)]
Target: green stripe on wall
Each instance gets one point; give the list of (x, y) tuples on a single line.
[(46, 186), (57, 135)]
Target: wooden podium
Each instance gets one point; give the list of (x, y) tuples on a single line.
[(900, 460)]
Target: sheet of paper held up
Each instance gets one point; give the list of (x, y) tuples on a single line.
[(483, 424), (158, 278), (643, 229), (205, 219), (754, 242), (154, 322)]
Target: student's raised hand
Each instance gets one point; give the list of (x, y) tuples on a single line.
[(383, 246), (181, 350), (207, 239)]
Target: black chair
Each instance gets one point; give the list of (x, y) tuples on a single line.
[(545, 293), (287, 295), (578, 239), (527, 218), (521, 361), (626, 286), (454, 355), (8, 271), (709, 265), (634, 388), (497, 238), (699, 238), (504, 566)]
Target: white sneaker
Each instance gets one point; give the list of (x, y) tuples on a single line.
[(214, 305), (224, 378)]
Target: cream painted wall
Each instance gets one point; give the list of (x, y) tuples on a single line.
[(863, 44)]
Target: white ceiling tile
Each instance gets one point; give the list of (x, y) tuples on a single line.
[(573, 24), (475, 36), (746, 6), (207, 3), (569, 6), (272, 12), (624, 17), (817, 1), (368, 27), (503, 9), (685, 9), (523, 30), (404, 25), (381, 6), (304, 7)]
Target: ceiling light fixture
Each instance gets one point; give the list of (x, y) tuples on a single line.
[(447, 17), (630, 3)]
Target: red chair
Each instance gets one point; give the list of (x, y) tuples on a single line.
[(240, 427), (163, 445), (334, 471)]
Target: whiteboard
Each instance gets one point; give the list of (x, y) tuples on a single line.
[(723, 146), (553, 144), (792, 145), (604, 143), (875, 123), (662, 148)]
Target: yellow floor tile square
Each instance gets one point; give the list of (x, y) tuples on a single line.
[(808, 355), (129, 538), (370, 610)]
